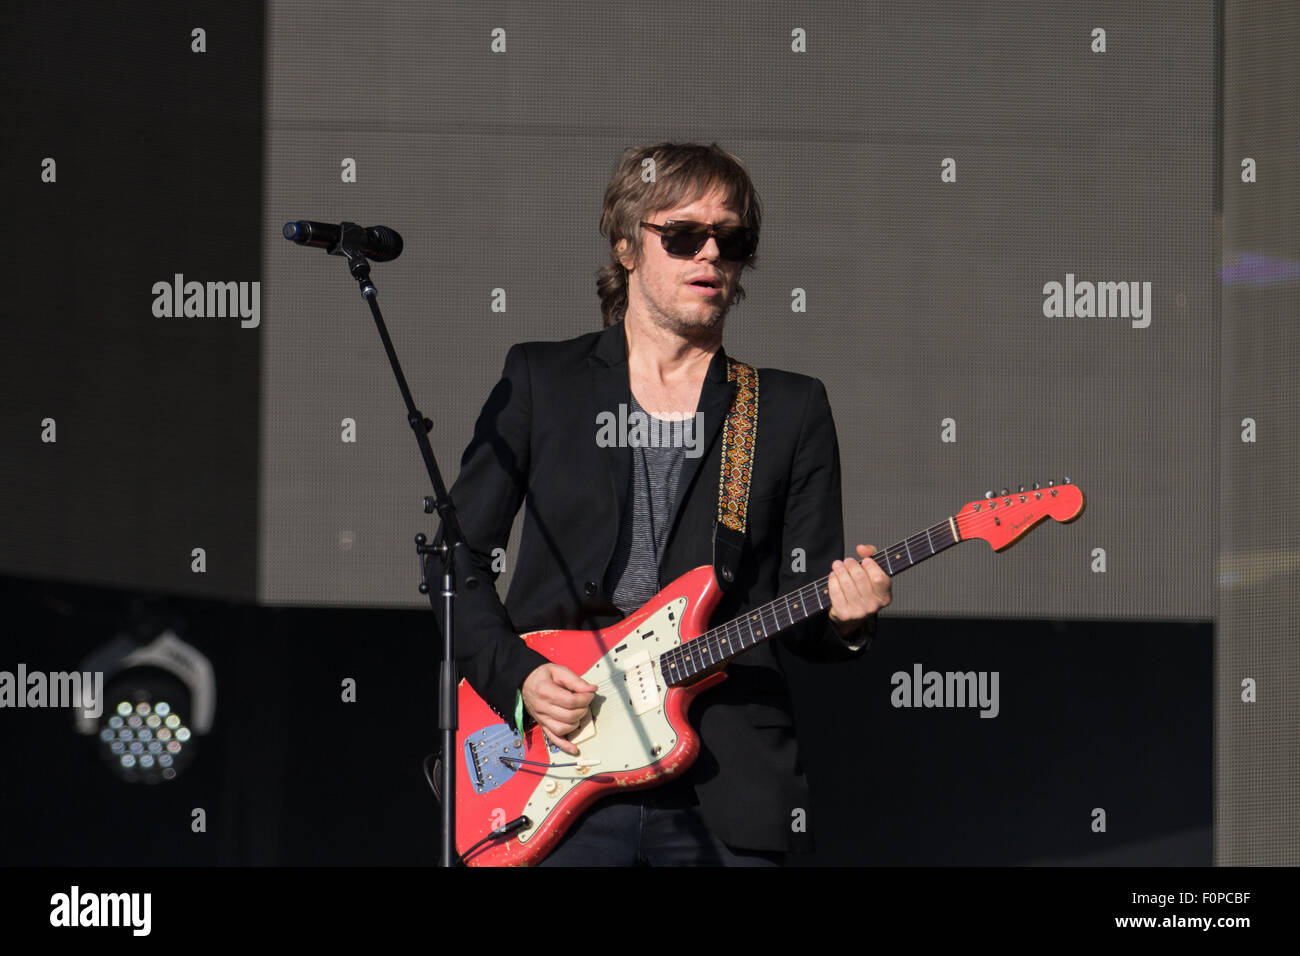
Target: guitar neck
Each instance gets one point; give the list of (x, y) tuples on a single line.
[(721, 644)]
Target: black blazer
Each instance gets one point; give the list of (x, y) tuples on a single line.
[(535, 445)]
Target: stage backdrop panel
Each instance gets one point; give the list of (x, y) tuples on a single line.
[(1257, 659), (132, 164), (485, 133)]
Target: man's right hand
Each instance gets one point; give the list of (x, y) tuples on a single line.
[(558, 699)]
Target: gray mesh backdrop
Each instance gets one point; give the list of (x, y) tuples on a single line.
[(1257, 664), (486, 133)]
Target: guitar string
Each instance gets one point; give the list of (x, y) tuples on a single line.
[(713, 639)]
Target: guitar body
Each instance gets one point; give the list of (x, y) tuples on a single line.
[(637, 735), (648, 668)]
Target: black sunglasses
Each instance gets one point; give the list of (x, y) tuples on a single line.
[(685, 238)]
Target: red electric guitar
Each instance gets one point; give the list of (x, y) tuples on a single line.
[(515, 797)]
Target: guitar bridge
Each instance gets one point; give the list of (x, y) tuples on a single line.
[(485, 754)]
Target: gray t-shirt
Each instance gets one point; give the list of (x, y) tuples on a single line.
[(647, 516)]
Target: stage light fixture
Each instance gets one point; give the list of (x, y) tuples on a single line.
[(157, 700)]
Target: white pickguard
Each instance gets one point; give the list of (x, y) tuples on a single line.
[(627, 729)]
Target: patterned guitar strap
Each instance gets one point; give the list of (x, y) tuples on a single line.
[(739, 435)]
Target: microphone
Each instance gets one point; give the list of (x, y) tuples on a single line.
[(382, 244)]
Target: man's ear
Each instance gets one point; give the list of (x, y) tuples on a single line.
[(624, 255)]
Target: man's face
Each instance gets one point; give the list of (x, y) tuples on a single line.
[(660, 287)]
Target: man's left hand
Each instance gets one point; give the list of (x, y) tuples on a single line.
[(859, 588)]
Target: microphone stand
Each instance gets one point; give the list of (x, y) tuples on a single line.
[(451, 543)]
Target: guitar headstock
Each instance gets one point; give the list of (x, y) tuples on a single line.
[(1005, 518)]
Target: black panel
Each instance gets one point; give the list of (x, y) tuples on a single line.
[(158, 153)]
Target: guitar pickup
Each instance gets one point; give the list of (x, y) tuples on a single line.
[(642, 688)]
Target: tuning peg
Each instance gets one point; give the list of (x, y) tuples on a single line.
[(1002, 493), (1036, 486), (988, 494), (1050, 483), (1022, 488), (1066, 481)]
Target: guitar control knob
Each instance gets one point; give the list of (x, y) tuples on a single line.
[(551, 785)]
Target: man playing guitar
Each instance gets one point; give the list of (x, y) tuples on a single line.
[(607, 524)]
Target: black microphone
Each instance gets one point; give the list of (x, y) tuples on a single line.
[(382, 244)]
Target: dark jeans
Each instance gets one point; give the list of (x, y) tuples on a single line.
[(657, 827)]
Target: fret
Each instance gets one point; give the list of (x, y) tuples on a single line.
[(776, 615), (889, 565), (910, 562), (929, 541), (796, 607), (777, 608)]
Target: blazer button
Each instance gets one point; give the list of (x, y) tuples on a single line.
[(590, 588)]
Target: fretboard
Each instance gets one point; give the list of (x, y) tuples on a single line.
[(722, 643)]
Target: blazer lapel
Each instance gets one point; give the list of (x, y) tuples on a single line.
[(611, 392), (706, 468)]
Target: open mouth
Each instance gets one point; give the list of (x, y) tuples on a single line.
[(705, 286)]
